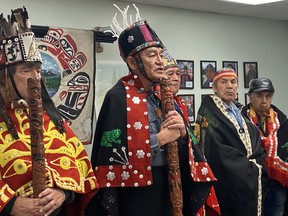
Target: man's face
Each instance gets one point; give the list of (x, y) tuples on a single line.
[(22, 73), (153, 63), (173, 73), (261, 101), (226, 88), (185, 71), (209, 74)]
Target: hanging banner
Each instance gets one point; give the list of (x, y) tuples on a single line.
[(68, 70)]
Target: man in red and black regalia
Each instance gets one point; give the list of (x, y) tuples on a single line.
[(196, 174), (128, 153), (66, 166), (273, 128)]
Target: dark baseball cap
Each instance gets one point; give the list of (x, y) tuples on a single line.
[(261, 84)]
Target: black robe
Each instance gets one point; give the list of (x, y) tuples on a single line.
[(241, 177), (113, 115)]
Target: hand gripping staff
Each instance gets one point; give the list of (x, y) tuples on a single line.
[(174, 175)]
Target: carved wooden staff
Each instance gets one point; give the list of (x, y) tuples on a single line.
[(36, 133), (174, 175)]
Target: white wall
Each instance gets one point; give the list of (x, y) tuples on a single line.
[(187, 34)]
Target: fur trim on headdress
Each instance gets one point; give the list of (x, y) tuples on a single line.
[(118, 28)]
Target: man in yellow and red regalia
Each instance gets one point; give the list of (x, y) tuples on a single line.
[(67, 170)]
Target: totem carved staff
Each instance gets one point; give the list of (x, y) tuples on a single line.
[(174, 175), (36, 133)]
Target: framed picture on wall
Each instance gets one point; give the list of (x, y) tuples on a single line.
[(186, 74), (190, 106), (247, 100), (250, 72), (208, 70), (231, 64)]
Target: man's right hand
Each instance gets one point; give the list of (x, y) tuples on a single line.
[(167, 135), (25, 206)]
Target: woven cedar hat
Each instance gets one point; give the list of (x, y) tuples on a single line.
[(133, 37), (17, 41), (168, 60)]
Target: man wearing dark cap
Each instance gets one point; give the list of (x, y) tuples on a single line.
[(65, 173), (273, 128), (232, 147), (128, 149)]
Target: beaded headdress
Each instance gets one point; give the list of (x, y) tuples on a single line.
[(18, 44), (17, 41), (168, 60), (133, 37)]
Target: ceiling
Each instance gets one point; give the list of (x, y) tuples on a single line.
[(273, 11)]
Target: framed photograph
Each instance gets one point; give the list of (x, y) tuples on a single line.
[(231, 64), (247, 100), (186, 74), (250, 72), (190, 106), (208, 70)]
